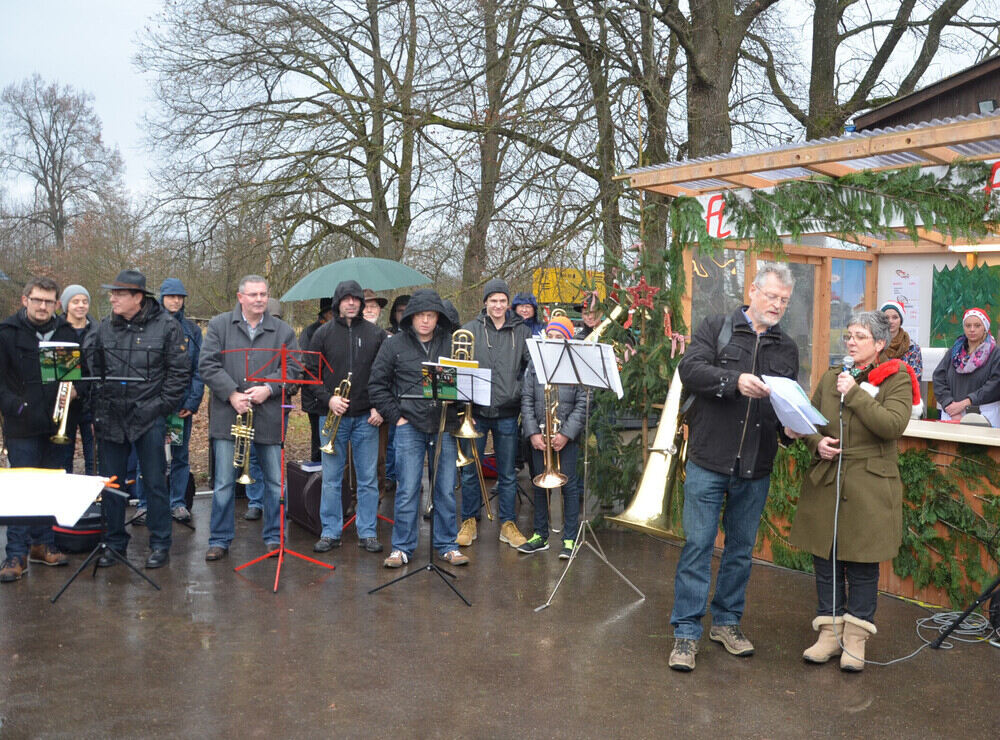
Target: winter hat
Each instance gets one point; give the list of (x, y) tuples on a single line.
[(896, 306), (561, 324), (495, 285), (72, 290), (371, 295), (172, 286), (979, 314)]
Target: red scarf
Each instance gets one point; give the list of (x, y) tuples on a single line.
[(891, 367)]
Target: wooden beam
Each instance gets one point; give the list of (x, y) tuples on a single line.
[(801, 250), (938, 154), (871, 285), (832, 169), (687, 299), (750, 181), (822, 301)]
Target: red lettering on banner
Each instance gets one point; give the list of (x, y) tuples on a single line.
[(716, 209)]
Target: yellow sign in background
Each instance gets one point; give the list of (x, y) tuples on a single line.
[(563, 284)]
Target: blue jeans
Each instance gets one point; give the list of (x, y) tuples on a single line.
[(255, 491), (222, 528), (363, 438), (704, 494), (31, 452), (180, 470), (570, 493), (504, 432), (412, 447), (390, 455), (113, 459), (85, 423)]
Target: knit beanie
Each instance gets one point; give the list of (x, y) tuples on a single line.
[(561, 324), (72, 290)]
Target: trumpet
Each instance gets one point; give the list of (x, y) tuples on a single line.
[(463, 346), (332, 420), (60, 414), (242, 430)]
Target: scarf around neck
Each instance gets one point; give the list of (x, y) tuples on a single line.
[(965, 362), (898, 346)]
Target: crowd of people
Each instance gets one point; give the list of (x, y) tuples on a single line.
[(148, 367)]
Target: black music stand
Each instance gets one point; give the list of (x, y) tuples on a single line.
[(587, 364), (103, 549), (307, 378), (432, 480)]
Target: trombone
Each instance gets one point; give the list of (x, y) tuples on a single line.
[(333, 420), (60, 414), (242, 430), (463, 346)]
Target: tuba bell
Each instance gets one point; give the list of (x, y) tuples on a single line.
[(650, 507), (242, 430)]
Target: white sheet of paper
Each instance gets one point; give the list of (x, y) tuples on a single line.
[(582, 363), (474, 384), (32, 493), (792, 405)]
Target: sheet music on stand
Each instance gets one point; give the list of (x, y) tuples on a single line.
[(575, 362), (472, 384)]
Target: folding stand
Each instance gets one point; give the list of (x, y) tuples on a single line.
[(103, 549), (571, 367), (283, 354), (432, 480), (993, 588)]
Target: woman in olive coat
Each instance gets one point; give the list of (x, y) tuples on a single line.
[(874, 400)]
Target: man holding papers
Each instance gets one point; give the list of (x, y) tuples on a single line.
[(733, 440)]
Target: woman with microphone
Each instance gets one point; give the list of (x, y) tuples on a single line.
[(851, 531)]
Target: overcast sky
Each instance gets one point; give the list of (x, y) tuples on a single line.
[(87, 44)]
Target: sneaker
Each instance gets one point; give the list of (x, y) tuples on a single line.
[(567, 550), (467, 533), (325, 544), (732, 638), (181, 514), (253, 514), (140, 518), (371, 544), (535, 544), (12, 569), (455, 557), (396, 559), (511, 535), (682, 656), (47, 555)]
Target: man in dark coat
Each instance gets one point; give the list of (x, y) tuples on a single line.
[(226, 372), (26, 404), (310, 405), (395, 388), (500, 336), (139, 340), (349, 345), (733, 440)]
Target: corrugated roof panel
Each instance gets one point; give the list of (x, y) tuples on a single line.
[(705, 184), (881, 161), (788, 173), (977, 148)]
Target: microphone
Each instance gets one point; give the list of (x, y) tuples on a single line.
[(848, 363)]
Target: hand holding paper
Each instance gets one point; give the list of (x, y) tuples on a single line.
[(792, 406)]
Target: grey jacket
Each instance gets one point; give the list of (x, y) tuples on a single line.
[(981, 386), (226, 371), (571, 412), (504, 351)]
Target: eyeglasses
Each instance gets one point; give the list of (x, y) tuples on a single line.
[(856, 336), (775, 298), (41, 301)]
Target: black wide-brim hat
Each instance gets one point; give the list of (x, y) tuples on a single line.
[(128, 280)]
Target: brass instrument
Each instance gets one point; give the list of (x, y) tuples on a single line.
[(595, 335), (463, 347), (650, 507), (557, 312), (333, 420), (550, 477), (242, 430), (60, 414)]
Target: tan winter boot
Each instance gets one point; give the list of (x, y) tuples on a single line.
[(827, 645), (856, 634)]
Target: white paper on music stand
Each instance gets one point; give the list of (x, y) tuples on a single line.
[(792, 406), (474, 384), (33, 493), (575, 362)]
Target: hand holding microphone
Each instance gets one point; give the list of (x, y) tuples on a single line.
[(845, 381)]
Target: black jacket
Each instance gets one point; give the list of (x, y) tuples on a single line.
[(504, 351), (25, 402), (724, 425), (348, 348), (395, 385), (151, 346), (310, 404)]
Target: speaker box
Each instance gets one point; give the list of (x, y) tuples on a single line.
[(304, 491)]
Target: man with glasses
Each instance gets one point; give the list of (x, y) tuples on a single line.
[(138, 340), (732, 443), (26, 405), (228, 360)]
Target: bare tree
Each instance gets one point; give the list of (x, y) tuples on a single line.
[(52, 138)]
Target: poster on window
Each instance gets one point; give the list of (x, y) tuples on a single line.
[(905, 288)]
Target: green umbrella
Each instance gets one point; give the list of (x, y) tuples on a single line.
[(370, 272)]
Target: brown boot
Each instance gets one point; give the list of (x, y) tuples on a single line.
[(827, 645), (856, 634)]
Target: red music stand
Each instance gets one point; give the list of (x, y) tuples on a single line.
[(308, 378)]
